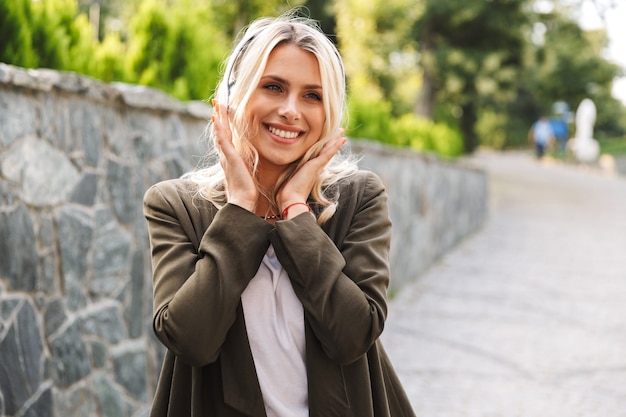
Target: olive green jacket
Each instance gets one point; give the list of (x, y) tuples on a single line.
[(203, 259)]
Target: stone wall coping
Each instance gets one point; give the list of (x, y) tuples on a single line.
[(359, 145), (137, 96)]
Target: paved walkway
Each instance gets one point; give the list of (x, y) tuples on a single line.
[(527, 317)]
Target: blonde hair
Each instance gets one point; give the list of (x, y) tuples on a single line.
[(244, 69)]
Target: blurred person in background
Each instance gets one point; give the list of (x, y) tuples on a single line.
[(541, 135)]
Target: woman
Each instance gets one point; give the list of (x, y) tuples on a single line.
[(271, 266)]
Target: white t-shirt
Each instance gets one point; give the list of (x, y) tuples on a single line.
[(274, 320)]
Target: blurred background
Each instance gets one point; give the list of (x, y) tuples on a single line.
[(445, 76), (526, 317)]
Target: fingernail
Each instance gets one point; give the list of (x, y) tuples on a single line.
[(213, 102), (212, 118)]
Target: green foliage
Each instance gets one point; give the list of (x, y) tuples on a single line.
[(166, 46), (372, 119), (15, 33), (568, 66), (169, 49), (379, 53), (83, 47), (369, 118), (235, 14), (50, 33), (58, 35), (149, 33), (491, 127), (472, 66), (108, 63), (615, 146), (323, 12), (425, 135), (470, 53), (197, 55)]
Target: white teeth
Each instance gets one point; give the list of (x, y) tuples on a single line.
[(283, 133)]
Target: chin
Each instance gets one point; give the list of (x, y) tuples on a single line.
[(277, 160)]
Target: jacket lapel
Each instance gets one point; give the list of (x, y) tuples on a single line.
[(239, 379), (327, 388)]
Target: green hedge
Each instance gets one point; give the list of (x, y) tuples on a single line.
[(372, 119)]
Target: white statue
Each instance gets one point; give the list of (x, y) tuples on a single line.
[(584, 146)]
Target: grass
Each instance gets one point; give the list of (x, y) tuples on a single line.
[(613, 146)]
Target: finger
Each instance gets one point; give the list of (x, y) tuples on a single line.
[(332, 146), (223, 134), (219, 119)]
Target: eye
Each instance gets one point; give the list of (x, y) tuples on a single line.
[(273, 87), (313, 96)]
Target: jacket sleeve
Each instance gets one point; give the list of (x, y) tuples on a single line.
[(199, 275), (342, 285)]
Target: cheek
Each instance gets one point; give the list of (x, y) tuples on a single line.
[(251, 119), (319, 119)]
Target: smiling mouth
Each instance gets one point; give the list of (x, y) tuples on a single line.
[(285, 134)]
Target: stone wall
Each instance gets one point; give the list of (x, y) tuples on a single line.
[(76, 156), (433, 204)]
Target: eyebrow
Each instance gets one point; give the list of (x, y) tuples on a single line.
[(283, 81)]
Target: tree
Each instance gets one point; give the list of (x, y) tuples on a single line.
[(470, 54), (47, 33), (194, 63), (15, 34), (150, 30), (170, 48), (235, 14), (568, 66), (324, 12), (109, 63), (379, 55)]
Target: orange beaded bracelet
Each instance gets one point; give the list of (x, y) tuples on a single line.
[(286, 210)]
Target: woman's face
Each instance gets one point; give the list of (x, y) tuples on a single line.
[(286, 109)]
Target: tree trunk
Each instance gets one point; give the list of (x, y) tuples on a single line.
[(468, 124), (425, 105)]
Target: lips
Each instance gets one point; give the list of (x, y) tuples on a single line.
[(283, 134)]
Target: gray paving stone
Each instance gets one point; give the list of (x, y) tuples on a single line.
[(527, 317)]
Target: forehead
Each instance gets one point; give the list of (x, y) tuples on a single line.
[(291, 60)]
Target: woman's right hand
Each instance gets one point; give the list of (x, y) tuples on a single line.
[(240, 186), (298, 188)]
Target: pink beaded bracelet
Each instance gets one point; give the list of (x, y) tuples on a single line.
[(286, 210)]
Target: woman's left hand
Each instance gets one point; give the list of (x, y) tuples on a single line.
[(298, 188)]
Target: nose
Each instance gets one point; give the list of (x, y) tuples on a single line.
[(289, 109)]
